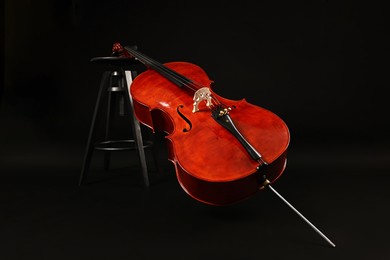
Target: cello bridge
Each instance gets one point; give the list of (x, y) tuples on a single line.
[(200, 95)]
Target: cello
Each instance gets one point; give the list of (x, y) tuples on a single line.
[(224, 151)]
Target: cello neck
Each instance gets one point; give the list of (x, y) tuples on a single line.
[(168, 73)]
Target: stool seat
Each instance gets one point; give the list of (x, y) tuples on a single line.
[(125, 63), (115, 82)]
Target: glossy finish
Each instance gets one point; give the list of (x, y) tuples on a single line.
[(211, 165)]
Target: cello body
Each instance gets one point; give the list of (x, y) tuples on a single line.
[(211, 165)]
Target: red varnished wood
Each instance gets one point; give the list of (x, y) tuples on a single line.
[(211, 165)]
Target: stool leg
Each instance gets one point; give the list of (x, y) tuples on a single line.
[(107, 154), (136, 129), (90, 145)]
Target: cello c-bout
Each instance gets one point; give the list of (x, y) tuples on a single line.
[(223, 150)]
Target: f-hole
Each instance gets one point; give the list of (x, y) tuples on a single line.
[(184, 118)]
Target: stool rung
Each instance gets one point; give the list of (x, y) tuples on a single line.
[(120, 145)]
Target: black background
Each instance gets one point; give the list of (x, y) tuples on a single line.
[(320, 65)]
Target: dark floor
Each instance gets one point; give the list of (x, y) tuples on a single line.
[(341, 188), (46, 215)]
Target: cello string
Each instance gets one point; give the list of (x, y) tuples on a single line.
[(161, 68), (180, 78), (169, 72)]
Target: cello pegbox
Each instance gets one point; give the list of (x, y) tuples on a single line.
[(119, 51)]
